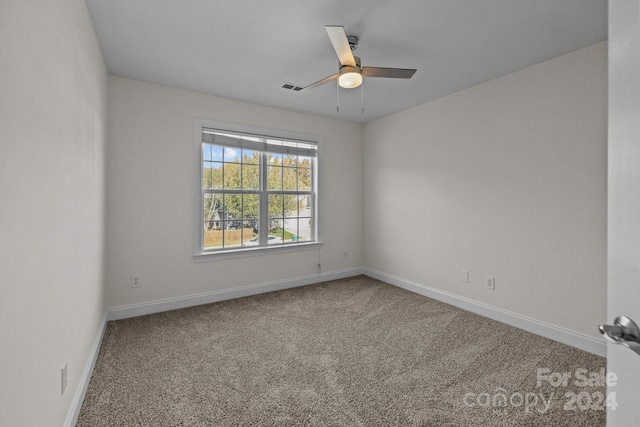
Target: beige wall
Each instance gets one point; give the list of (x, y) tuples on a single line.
[(508, 179), (150, 175), (52, 118)]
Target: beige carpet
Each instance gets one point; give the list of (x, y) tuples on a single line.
[(353, 352)]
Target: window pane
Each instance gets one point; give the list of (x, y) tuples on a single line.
[(304, 179), (251, 205), (206, 152), (304, 162), (212, 236), (304, 229), (212, 175), (250, 157), (232, 176), (275, 206), (207, 175), (216, 175), (274, 159), (216, 153), (251, 236), (290, 178), (233, 207), (213, 231), (291, 230), (252, 226), (232, 234), (290, 160), (250, 232), (274, 178), (213, 209), (276, 232), (250, 177), (211, 152), (291, 202), (305, 207), (231, 155)]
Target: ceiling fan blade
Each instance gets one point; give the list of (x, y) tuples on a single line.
[(394, 73), (319, 82), (338, 38)]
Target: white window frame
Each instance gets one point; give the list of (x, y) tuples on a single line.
[(199, 252)]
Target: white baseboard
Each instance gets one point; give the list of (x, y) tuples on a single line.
[(124, 312), (556, 333), (83, 384)]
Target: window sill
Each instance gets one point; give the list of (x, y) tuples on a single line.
[(251, 252)]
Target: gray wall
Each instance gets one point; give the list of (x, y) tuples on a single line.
[(508, 179), (53, 90), (150, 201)]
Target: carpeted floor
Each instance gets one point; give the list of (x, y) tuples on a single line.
[(352, 352)]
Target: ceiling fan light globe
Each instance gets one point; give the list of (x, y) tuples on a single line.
[(350, 80)]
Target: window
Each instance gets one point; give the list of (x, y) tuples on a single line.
[(257, 188)]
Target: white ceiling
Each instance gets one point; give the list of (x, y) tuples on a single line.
[(245, 49)]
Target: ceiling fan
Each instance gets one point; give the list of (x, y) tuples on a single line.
[(351, 71)]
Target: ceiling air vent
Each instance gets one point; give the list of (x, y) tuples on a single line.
[(291, 86)]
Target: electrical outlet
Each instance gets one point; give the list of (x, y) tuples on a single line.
[(490, 283), (464, 276), (135, 281), (63, 378)]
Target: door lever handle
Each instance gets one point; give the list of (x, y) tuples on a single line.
[(623, 331), (611, 331)]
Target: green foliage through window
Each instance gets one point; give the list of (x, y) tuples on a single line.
[(247, 190)]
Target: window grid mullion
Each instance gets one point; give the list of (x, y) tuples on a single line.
[(242, 220), (213, 191), (289, 192), (224, 223), (264, 201)]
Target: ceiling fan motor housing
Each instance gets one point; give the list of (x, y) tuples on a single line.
[(349, 69)]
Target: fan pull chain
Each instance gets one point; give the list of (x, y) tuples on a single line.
[(362, 101), (337, 97)]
